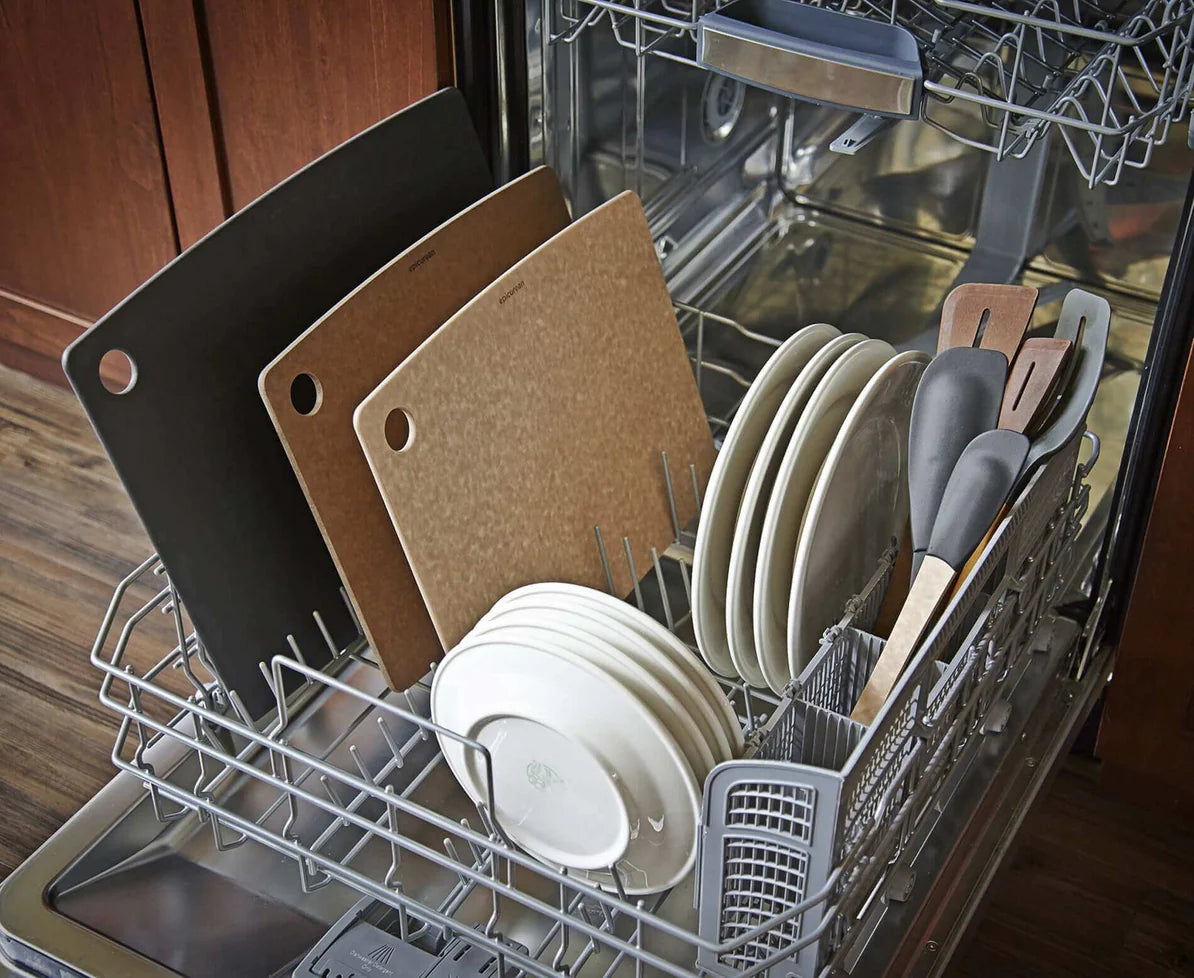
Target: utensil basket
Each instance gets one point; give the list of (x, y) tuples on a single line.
[(827, 804), (345, 777)]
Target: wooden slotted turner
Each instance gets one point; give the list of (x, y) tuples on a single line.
[(1032, 385), (1006, 311)]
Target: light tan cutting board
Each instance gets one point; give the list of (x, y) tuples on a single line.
[(348, 352), (539, 411)]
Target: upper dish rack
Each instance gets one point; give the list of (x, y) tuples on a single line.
[(998, 75)]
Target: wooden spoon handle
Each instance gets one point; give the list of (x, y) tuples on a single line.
[(924, 598)]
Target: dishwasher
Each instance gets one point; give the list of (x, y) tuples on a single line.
[(844, 161)]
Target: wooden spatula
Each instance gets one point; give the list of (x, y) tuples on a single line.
[(1006, 310), (1032, 384), (977, 489)]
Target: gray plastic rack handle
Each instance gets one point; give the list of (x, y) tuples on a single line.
[(814, 54)]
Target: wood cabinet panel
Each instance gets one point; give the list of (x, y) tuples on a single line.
[(292, 80), (82, 187), (131, 128), (181, 88), (1146, 739)]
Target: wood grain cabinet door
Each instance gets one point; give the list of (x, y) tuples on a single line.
[(1146, 738), (130, 128), (84, 208)]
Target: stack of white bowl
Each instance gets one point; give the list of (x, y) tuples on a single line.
[(600, 727)]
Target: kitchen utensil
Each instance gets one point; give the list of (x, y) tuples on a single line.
[(621, 659), (538, 411), (347, 353), (1032, 382), (723, 495), (614, 634), (1027, 399), (748, 527), (190, 437), (827, 408), (958, 398), (1089, 316), (585, 776), (718, 704), (1070, 326), (1003, 312), (858, 505), (981, 482)]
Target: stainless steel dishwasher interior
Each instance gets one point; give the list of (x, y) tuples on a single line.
[(755, 219), (807, 265)]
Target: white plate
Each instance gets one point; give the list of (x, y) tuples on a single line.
[(818, 426), (584, 775), (594, 621), (715, 531), (858, 504), (621, 660), (748, 528), (660, 637)]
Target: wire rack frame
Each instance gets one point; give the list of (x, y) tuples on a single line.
[(999, 74), (896, 771), (344, 809)]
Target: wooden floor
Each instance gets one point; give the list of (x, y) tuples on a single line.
[(1096, 888)]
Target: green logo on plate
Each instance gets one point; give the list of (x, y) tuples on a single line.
[(541, 776)]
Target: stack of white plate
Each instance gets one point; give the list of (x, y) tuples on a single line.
[(809, 489), (600, 726)]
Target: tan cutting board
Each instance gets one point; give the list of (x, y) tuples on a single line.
[(539, 411), (348, 352)]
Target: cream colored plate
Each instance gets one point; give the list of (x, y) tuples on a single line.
[(715, 532), (623, 660), (584, 775), (748, 528), (818, 427), (858, 505), (715, 701)]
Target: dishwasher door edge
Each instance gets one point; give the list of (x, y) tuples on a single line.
[(917, 934)]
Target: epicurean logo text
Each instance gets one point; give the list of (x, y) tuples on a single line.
[(517, 287), (421, 260)]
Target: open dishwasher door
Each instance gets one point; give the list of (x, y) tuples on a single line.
[(230, 847)]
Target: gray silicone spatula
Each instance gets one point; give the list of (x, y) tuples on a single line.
[(979, 485), (959, 397), (1088, 317)]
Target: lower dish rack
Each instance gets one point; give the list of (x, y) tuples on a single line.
[(797, 837)]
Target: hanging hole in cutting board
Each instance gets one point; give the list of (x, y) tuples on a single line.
[(400, 430), (117, 372), (306, 394)]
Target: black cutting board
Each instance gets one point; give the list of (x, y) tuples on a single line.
[(191, 439)]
